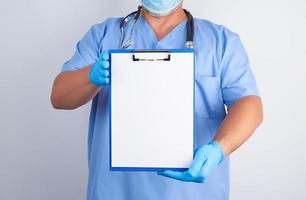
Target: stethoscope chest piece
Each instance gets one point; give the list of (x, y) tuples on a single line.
[(189, 45)]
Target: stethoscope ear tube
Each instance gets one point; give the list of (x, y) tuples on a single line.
[(138, 13), (125, 19)]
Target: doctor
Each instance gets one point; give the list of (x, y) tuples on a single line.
[(222, 77)]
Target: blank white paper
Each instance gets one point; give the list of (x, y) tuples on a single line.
[(152, 110)]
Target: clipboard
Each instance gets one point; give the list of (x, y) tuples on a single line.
[(151, 102)]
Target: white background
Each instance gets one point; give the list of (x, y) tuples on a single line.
[(43, 151)]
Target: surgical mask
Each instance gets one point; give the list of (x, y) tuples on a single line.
[(160, 7)]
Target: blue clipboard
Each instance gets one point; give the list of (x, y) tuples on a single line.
[(113, 154)]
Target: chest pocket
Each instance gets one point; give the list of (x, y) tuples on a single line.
[(208, 97)]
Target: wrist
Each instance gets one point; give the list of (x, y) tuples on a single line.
[(220, 150)]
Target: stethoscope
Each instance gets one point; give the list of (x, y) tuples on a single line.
[(124, 45)]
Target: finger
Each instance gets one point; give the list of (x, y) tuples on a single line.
[(104, 81), (104, 55), (105, 64), (105, 73), (197, 164), (207, 168), (175, 175), (199, 180)]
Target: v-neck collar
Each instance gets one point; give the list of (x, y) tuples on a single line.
[(168, 35)]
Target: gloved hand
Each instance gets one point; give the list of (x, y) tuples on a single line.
[(99, 72), (206, 159)]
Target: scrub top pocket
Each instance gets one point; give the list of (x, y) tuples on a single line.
[(208, 97)]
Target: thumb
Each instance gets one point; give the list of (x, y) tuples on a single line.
[(208, 167), (214, 157)]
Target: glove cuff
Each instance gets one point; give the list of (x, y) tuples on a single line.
[(219, 148)]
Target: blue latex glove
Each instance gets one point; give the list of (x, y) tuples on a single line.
[(99, 72), (206, 159)]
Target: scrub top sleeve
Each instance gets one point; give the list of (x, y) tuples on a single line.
[(237, 79), (87, 49)]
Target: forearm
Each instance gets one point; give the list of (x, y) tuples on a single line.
[(240, 123), (72, 89)]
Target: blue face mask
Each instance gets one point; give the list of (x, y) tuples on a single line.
[(160, 7)]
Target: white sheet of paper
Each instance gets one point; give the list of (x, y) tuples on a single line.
[(152, 110)]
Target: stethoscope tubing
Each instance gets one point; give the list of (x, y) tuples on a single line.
[(124, 21)]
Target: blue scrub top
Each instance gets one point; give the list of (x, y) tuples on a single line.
[(222, 76)]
